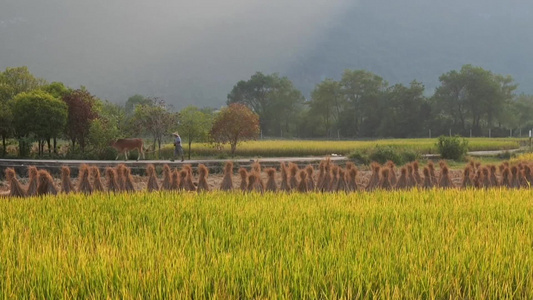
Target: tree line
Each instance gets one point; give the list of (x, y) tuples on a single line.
[(469, 101)]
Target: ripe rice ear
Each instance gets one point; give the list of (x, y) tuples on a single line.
[(227, 181), (66, 184), (111, 180), (97, 179), (32, 186), (45, 183), (15, 188), (202, 180)]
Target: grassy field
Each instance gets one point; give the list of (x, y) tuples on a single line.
[(418, 244), (289, 148)]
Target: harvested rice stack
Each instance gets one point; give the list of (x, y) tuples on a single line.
[(256, 167), (411, 181), (515, 181), (66, 183), (244, 179), (402, 181), (478, 179), (175, 183), (84, 185), (111, 180), (15, 188), (167, 180), (492, 176), (271, 182), (302, 184), (427, 184), (321, 174), (120, 177), (334, 178), (227, 181), (445, 180), (326, 181), (472, 165), (128, 180), (486, 177), (352, 184), (467, 178), (342, 184), (478, 166), (501, 167), (349, 165), (293, 182), (32, 186), (253, 184), (202, 180), (45, 184), (374, 178), (418, 179), (152, 179), (384, 182), (392, 173), (97, 180), (528, 177), (189, 185), (310, 180), (506, 177), (182, 180), (284, 178), (432, 175)]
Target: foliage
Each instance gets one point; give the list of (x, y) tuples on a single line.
[(194, 125), (210, 245), (155, 119), (17, 80), (382, 154), (453, 147), (135, 100), (101, 133), (81, 111), (234, 124)]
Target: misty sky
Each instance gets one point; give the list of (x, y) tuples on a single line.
[(117, 48)]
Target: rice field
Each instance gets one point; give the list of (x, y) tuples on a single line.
[(292, 148), (165, 245)]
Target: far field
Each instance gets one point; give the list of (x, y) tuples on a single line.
[(295, 148), (443, 244)]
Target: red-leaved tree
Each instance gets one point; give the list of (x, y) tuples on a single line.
[(81, 111), (234, 124)]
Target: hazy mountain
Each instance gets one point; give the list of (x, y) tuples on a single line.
[(193, 52)]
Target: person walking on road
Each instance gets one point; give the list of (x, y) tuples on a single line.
[(178, 149)]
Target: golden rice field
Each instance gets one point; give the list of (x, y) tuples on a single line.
[(442, 244), (288, 148)]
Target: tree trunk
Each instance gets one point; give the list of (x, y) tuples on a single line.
[(190, 142), (4, 145), (49, 146), (55, 145)]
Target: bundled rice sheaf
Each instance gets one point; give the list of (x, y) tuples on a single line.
[(227, 181), (506, 177), (528, 177), (445, 181), (167, 178), (493, 178), (326, 181), (128, 180), (392, 174), (244, 179), (515, 181), (302, 184), (33, 183), (45, 184), (84, 185), (111, 180), (411, 180), (402, 181), (374, 178), (342, 184), (416, 173), (486, 177), (189, 185), (175, 183), (120, 176), (321, 174), (152, 184), (202, 180), (66, 184), (256, 167), (97, 179), (253, 184), (467, 178), (427, 184), (432, 175), (384, 182), (352, 183), (334, 178), (310, 180), (15, 188), (293, 181), (182, 179), (284, 186), (271, 182)]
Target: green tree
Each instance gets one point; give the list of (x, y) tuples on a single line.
[(135, 100), (155, 119), (234, 124), (38, 114), (81, 111), (194, 124), (273, 98), (327, 103)]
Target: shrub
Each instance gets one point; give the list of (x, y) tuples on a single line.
[(382, 154), (452, 147)]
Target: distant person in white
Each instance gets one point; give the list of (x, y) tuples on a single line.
[(178, 149)]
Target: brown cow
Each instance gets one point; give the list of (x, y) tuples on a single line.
[(126, 145)]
